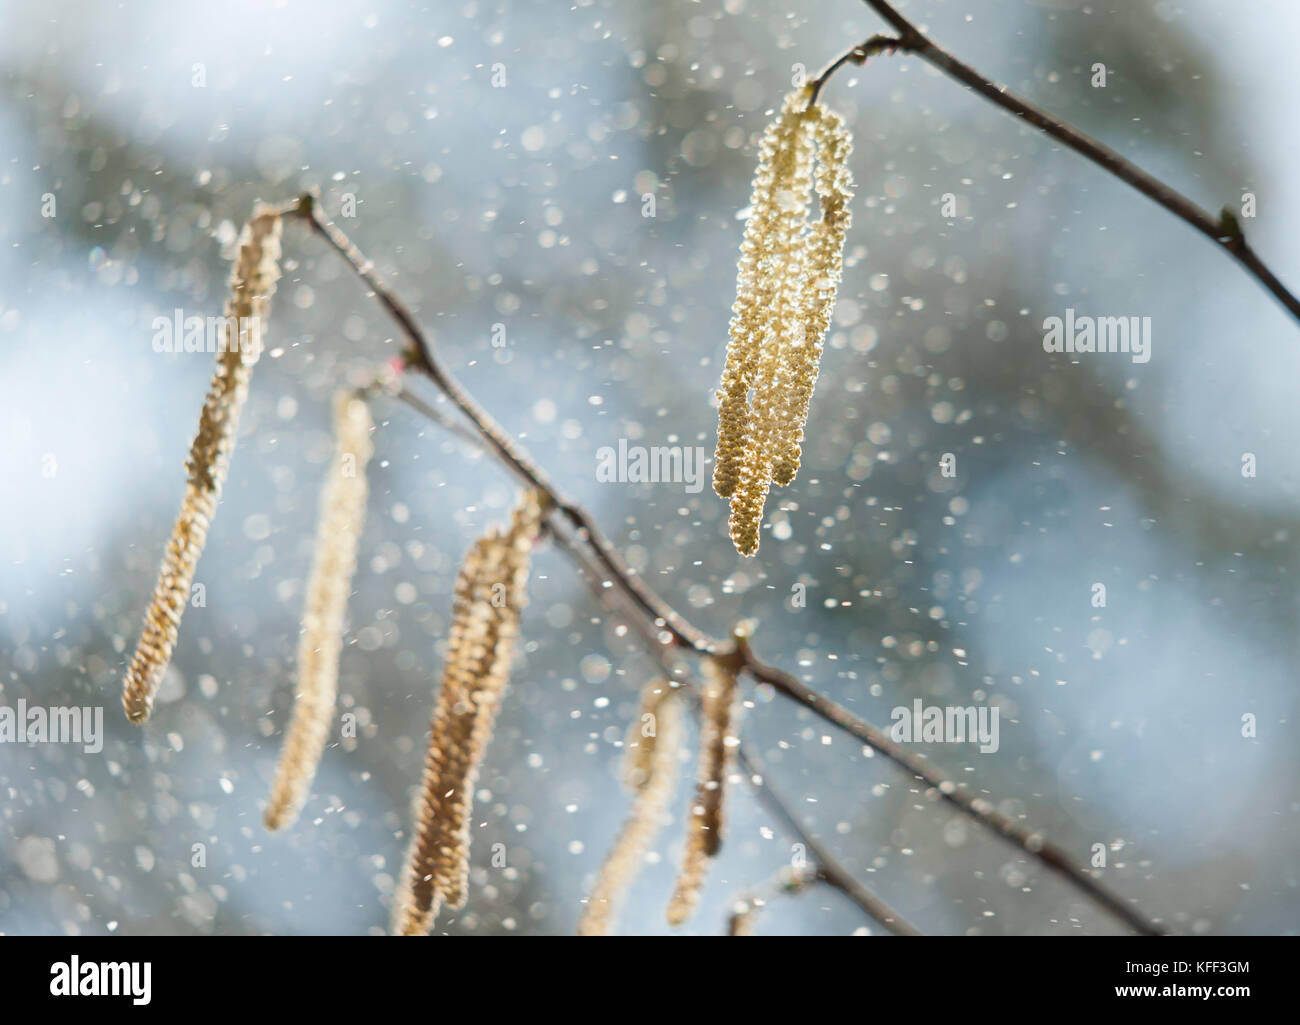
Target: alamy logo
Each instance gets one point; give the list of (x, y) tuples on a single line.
[(56, 725), (946, 724), (636, 464), (1098, 334), (102, 979), (179, 333)]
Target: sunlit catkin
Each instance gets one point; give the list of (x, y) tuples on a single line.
[(718, 743), (490, 591), (787, 277), (252, 282), (650, 768), (338, 528), (822, 271), (785, 153)]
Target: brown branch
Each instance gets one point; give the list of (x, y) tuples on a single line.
[(425, 361), (672, 630), (1222, 230), (828, 869), (979, 808)]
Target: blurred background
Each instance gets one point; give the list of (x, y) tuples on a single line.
[(521, 205)]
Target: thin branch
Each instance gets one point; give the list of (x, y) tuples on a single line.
[(858, 55), (1224, 230), (980, 808), (828, 869), (674, 630), (562, 532), (447, 423), (680, 632)]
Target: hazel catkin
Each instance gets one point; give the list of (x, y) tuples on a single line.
[(252, 282), (490, 592), (787, 277)]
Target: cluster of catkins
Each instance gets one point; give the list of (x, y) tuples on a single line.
[(489, 594), (338, 528), (788, 274), (490, 591), (786, 282)]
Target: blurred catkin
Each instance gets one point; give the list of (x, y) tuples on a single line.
[(718, 743), (654, 741), (745, 911), (252, 282), (786, 281), (744, 918), (490, 592), (338, 529)]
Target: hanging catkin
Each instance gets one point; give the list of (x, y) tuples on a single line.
[(338, 528), (787, 277), (785, 156), (824, 263), (490, 591), (650, 770), (252, 282), (718, 744)]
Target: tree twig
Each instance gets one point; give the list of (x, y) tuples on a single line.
[(671, 628), (859, 55), (979, 808), (1223, 230), (827, 868)]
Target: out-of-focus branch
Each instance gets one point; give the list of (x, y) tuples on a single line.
[(826, 868), (1223, 230)]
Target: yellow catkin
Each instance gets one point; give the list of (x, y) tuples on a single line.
[(772, 201), (252, 282), (651, 771), (780, 324), (490, 591), (718, 743), (823, 264), (338, 529), (787, 277)]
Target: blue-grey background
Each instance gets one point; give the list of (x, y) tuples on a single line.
[(522, 206)]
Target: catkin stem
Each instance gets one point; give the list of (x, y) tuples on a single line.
[(718, 743), (338, 529), (252, 282), (490, 592)]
